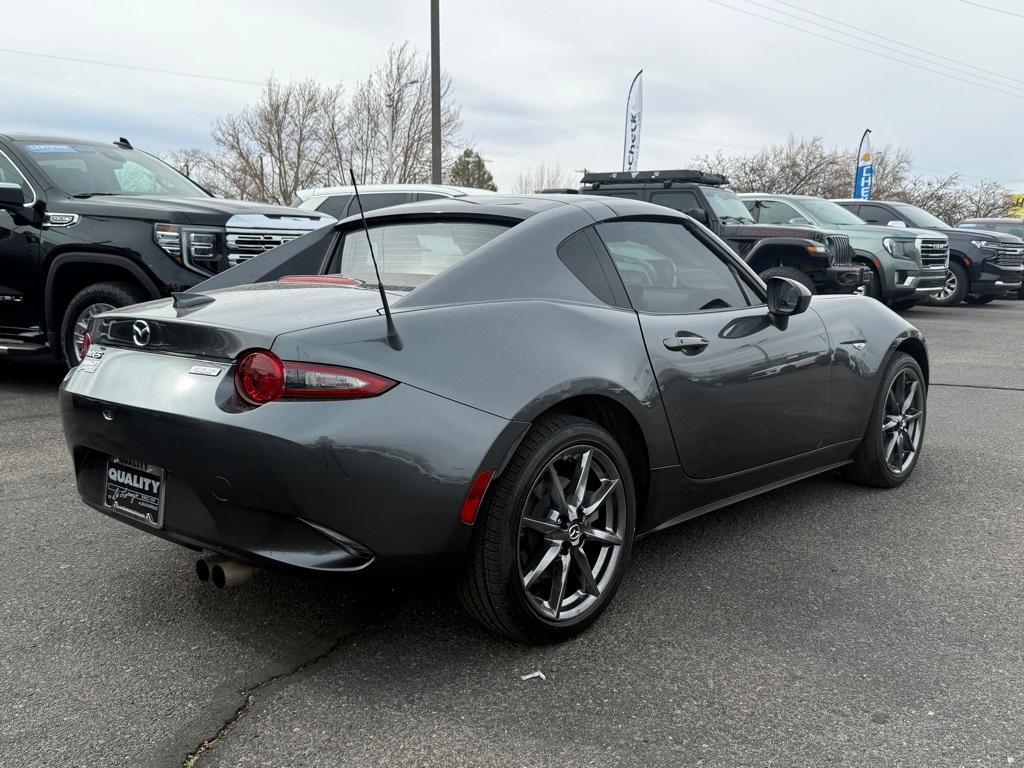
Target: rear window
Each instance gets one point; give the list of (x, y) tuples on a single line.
[(409, 254)]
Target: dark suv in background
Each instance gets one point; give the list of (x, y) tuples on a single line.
[(984, 263), (86, 227), (819, 258), (1004, 225)]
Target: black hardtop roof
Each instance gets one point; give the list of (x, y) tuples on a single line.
[(617, 178)]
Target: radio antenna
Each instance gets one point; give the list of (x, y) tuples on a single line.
[(394, 340)]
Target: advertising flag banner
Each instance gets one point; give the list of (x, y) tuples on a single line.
[(634, 119), (865, 169)]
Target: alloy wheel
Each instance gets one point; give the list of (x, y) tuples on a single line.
[(82, 325), (949, 288), (571, 533), (902, 424)]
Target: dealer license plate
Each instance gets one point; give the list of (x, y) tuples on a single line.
[(135, 489)]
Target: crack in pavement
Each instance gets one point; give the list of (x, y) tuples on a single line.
[(249, 694), (976, 386)]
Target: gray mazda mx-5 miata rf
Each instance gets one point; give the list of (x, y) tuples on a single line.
[(565, 374)]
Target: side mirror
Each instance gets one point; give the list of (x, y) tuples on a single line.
[(897, 223), (699, 214), (12, 197), (800, 221), (786, 298)]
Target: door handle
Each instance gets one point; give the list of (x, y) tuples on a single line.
[(688, 345)]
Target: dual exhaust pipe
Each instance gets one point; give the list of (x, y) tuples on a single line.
[(223, 571)]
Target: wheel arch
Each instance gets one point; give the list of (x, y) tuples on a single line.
[(617, 419), (70, 272), (915, 347), (785, 252)]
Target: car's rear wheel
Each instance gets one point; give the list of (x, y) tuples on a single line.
[(892, 443), (84, 306), (955, 288), (980, 299), (793, 274), (554, 537)]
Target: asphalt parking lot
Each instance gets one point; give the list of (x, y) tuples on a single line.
[(822, 624)]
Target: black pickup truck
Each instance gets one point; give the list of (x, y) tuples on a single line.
[(821, 260), (86, 227)]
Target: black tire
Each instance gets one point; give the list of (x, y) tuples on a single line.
[(869, 465), (903, 306), (102, 297), (793, 274), (873, 288), (962, 282), (492, 587), (976, 300)]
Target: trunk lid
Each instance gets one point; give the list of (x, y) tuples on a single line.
[(239, 318)]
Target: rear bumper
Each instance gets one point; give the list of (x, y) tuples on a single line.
[(322, 486)]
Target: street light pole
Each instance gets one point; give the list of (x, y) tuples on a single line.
[(435, 93)]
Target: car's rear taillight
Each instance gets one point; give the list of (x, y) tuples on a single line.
[(262, 378), (86, 343)]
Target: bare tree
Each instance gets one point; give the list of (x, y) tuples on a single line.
[(544, 176), (807, 167)]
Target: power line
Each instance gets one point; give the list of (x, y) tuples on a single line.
[(901, 43), (128, 66), (990, 8), (867, 50)]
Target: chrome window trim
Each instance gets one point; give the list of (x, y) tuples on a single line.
[(35, 197)]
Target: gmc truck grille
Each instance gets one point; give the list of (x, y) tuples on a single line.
[(934, 253), (1009, 256), (842, 253), (243, 244)]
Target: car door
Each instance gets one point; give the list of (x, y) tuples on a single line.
[(20, 295), (739, 392)]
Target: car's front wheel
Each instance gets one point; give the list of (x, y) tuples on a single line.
[(554, 537), (892, 442), (955, 288), (84, 306)]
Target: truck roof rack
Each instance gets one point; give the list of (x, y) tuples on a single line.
[(653, 177)]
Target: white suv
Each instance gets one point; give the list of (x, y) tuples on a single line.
[(339, 202)]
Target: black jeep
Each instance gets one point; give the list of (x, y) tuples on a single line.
[(821, 260)]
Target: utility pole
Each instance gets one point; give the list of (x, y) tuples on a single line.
[(435, 92)]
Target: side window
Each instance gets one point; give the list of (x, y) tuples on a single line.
[(667, 270), (429, 196), (677, 201), (627, 195), (335, 206), (10, 175), (774, 212), (373, 201), (876, 214), (578, 253)]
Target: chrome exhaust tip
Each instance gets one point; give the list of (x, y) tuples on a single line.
[(231, 573), (205, 564)]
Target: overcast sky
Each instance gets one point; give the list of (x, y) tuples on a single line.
[(547, 81)]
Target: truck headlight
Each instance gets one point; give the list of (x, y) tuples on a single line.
[(985, 245), (202, 245), (897, 248)]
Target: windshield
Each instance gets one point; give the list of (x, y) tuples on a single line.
[(409, 254), (726, 205), (84, 170), (920, 218), (827, 213)]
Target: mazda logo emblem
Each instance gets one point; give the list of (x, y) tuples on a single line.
[(140, 333)]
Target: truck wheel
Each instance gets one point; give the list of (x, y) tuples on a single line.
[(955, 289), (86, 304), (793, 274), (980, 299), (872, 288), (553, 539)]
